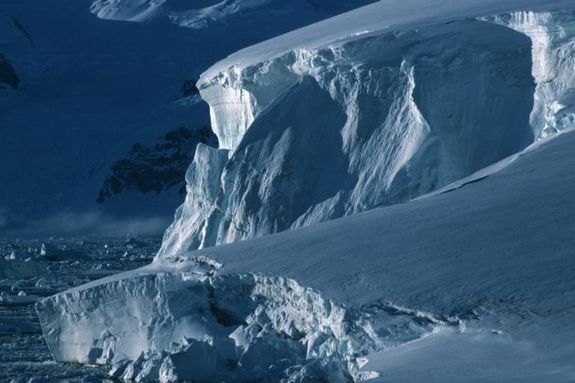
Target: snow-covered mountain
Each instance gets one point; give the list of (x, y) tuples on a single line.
[(77, 92), (205, 13), (344, 116), (450, 122)]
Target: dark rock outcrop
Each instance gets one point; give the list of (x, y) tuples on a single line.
[(8, 76), (189, 88), (158, 167)]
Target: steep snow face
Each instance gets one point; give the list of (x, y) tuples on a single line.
[(191, 324), (553, 39), (202, 14), (317, 134)]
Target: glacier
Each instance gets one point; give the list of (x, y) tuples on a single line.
[(329, 120), (441, 140)]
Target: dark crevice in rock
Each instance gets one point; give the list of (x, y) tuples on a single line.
[(8, 76), (158, 167)]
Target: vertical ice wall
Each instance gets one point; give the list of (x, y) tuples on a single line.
[(318, 134), (553, 38)]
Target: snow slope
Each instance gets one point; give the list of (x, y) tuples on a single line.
[(473, 284), (342, 116), (88, 90), (205, 13)]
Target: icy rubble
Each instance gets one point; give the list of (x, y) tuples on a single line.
[(186, 322)]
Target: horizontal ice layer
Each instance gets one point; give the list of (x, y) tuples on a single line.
[(495, 253)]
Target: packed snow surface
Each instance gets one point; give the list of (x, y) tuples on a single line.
[(325, 121), (478, 276)]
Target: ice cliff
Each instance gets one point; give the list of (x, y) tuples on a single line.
[(333, 119), (240, 327)]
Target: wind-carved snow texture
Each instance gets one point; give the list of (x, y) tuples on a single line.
[(318, 134), (194, 324)]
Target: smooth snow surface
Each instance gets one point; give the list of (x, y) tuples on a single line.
[(325, 122), (480, 279)]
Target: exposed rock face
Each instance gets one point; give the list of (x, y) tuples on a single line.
[(8, 76), (154, 168)]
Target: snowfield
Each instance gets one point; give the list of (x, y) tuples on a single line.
[(441, 134)]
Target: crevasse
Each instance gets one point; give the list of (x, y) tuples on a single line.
[(377, 119)]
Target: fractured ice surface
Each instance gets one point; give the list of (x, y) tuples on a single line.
[(184, 322), (335, 127)]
